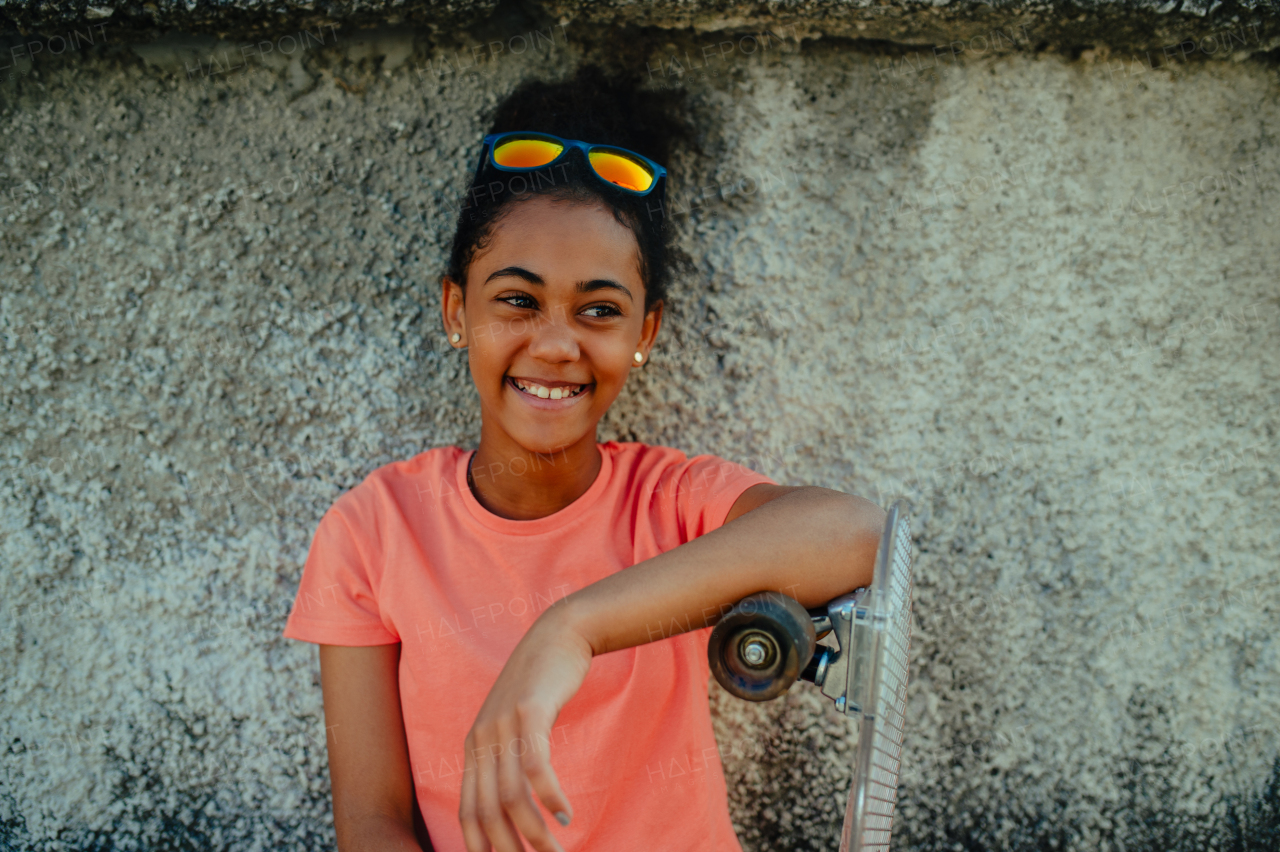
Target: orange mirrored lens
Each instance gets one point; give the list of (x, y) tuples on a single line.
[(526, 153), (623, 171)]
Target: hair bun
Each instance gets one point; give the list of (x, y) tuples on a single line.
[(596, 107)]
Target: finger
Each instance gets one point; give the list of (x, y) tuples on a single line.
[(472, 833), (535, 762), (489, 811), (516, 795)]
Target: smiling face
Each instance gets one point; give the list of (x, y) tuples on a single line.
[(553, 316)]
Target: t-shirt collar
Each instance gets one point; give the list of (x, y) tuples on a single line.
[(538, 526)]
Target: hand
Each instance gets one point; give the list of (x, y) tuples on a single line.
[(508, 745)]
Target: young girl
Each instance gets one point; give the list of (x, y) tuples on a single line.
[(520, 632)]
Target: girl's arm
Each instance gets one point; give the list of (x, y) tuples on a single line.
[(373, 800), (810, 543)]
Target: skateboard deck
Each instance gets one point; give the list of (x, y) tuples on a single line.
[(878, 691)]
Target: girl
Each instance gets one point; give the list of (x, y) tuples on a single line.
[(520, 631)]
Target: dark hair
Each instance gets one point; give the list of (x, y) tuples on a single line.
[(594, 108)]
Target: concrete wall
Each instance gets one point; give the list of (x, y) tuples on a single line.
[(1033, 292)]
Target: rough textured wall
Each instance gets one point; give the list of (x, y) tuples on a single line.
[(1034, 295), (1069, 24)]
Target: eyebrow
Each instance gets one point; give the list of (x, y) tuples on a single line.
[(583, 286)]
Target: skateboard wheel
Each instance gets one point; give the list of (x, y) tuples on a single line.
[(761, 646)]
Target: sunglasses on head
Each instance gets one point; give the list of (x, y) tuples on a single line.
[(521, 151)]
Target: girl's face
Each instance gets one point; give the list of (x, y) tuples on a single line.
[(552, 320)]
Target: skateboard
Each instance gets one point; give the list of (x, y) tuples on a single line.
[(768, 641)]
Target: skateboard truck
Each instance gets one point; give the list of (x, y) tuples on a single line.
[(756, 649), (768, 641)]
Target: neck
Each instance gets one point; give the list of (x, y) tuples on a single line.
[(515, 483)]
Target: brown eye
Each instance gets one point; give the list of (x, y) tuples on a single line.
[(525, 301), (611, 311)]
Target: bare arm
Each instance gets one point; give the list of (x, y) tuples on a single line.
[(374, 807), (810, 543)]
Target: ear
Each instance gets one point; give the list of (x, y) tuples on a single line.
[(453, 312), (649, 332)]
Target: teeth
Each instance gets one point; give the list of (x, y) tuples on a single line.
[(549, 393)]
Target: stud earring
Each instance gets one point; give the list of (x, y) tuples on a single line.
[(456, 337), (639, 358)]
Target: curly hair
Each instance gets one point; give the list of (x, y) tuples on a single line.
[(596, 108)]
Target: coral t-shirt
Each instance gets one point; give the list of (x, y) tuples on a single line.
[(411, 556)]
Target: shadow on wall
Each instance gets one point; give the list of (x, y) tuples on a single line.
[(1236, 821)]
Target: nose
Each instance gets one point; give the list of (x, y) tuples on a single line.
[(553, 338)]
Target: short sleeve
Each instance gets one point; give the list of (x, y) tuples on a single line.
[(337, 603), (704, 489)]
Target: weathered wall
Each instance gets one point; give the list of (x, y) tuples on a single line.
[(1034, 294), (1060, 23)]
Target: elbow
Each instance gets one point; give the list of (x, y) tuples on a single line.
[(848, 514), (862, 525), (857, 516), (846, 530), (874, 519)]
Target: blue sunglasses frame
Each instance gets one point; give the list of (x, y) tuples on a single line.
[(491, 143)]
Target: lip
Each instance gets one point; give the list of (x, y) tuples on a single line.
[(548, 404)]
